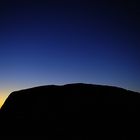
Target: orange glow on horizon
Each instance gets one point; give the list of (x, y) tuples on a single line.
[(2, 100), (3, 96)]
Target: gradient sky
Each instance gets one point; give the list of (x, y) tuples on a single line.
[(59, 42)]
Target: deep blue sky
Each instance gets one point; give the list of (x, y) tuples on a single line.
[(58, 42)]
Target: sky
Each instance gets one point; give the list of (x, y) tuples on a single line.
[(69, 41)]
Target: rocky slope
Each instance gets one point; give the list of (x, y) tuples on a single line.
[(73, 110)]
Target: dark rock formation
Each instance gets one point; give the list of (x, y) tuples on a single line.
[(73, 110)]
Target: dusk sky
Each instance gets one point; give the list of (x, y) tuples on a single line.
[(69, 41)]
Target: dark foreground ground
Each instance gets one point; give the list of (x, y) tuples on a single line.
[(74, 111)]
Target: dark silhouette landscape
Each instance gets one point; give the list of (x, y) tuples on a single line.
[(72, 111)]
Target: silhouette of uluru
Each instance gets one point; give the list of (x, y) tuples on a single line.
[(73, 110)]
